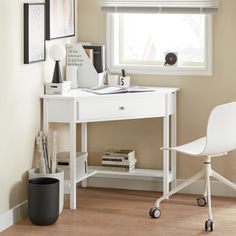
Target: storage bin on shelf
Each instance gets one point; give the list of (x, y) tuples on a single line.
[(63, 162)]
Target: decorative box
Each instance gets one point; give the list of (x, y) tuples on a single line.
[(57, 88)]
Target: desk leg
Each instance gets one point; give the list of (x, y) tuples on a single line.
[(45, 116), (166, 155), (84, 145), (173, 142), (72, 165)]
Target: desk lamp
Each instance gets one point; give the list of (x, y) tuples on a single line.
[(57, 53)]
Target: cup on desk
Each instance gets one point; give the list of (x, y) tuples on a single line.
[(124, 81), (113, 80)]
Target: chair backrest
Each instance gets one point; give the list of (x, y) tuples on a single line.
[(221, 130)]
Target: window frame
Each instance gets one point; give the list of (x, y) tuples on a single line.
[(206, 70)]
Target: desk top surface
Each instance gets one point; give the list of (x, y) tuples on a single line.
[(81, 94)]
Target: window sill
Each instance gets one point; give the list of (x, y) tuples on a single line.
[(163, 70)]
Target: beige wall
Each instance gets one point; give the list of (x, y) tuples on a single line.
[(21, 86), (197, 97)]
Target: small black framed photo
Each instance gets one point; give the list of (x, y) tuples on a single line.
[(34, 32), (60, 19)]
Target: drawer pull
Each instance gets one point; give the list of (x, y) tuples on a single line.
[(122, 108)]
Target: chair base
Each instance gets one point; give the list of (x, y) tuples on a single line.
[(207, 172)]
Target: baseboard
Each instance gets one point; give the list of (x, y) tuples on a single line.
[(9, 218), (217, 188)]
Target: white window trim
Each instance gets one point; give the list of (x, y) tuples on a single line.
[(162, 70)]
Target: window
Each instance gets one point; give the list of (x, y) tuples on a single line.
[(139, 43)]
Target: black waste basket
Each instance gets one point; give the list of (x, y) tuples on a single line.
[(43, 200)]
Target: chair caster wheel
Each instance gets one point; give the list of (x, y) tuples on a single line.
[(155, 213), (201, 201), (209, 225)]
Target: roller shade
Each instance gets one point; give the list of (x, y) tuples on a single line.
[(160, 6)]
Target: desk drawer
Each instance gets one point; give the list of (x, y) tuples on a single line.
[(120, 107)]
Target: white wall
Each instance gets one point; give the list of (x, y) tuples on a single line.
[(20, 88)]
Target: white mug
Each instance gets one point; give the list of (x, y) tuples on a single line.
[(113, 80)]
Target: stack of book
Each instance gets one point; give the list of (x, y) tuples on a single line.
[(119, 159)]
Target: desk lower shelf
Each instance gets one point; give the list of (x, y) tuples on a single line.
[(136, 173), (99, 171)]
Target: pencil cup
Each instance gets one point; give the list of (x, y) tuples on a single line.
[(113, 80), (124, 81), (34, 173)]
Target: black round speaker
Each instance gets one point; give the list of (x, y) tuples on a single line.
[(43, 200), (171, 59)]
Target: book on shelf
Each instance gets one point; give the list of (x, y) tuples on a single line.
[(117, 168), (127, 154), (119, 159), (115, 162), (116, 90)]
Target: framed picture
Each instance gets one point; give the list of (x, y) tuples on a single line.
[(60, 19), (34, 32)]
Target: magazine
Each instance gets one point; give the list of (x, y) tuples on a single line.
[(116, 90)]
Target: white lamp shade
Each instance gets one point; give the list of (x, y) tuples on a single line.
[(57, 52)]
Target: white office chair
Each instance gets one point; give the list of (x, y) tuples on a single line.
[(220, 139)]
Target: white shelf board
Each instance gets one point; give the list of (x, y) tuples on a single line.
[(78, 179), (99, 170), (89, 174)]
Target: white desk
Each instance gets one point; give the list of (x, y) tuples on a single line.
[(82, 107)]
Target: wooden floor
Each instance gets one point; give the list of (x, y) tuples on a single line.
[(121, 212)]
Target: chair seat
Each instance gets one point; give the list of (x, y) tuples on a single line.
[(194, 148)]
